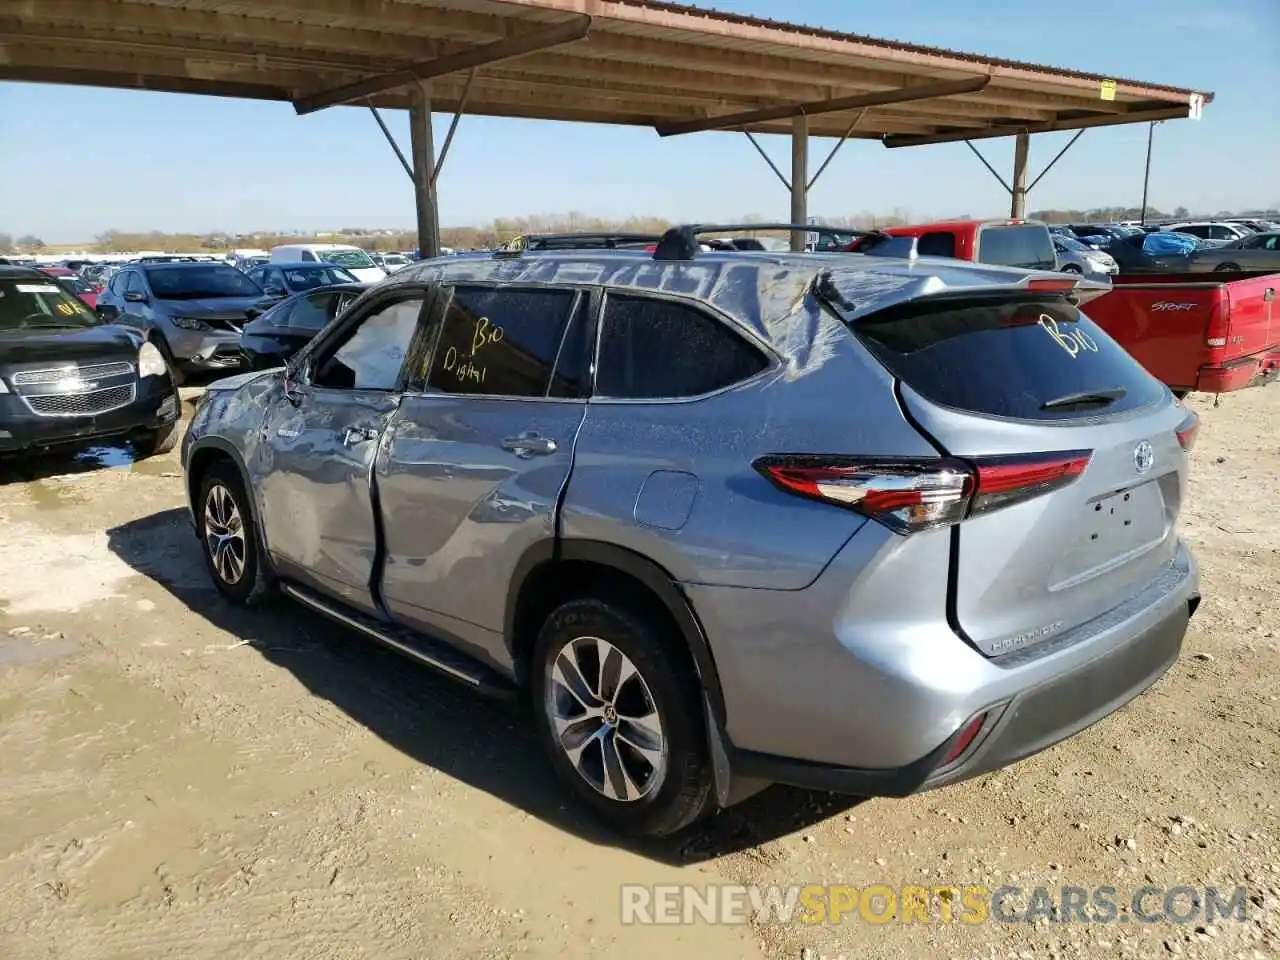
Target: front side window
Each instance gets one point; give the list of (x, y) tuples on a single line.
[(372, 356), (653, 348), (506, 342)]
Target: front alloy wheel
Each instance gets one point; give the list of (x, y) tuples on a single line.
[(224, 535), (605, 719)]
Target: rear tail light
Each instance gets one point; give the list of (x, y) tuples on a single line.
[(1187, 431), (912, 495), (1046, 285)]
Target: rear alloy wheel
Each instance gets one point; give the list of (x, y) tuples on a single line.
[(227, 534), (1071, 268), (620, 714), (1227, 268)]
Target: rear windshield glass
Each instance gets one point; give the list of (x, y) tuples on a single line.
[(1027, 246), (1024, 358), (200, 282), (30, 304)]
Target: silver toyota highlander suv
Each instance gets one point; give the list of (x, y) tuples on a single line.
[(729, 518)]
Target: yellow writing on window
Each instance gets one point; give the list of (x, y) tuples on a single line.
[(484, 334), (1072, 341), (464, 368)]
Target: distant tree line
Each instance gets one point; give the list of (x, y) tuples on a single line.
[(499, 231)]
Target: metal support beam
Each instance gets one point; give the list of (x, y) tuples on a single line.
[(1064, 123), (487, 53), (799, 178), (986, 163), (1146, 176), (767, 159), (453, 126), (926, 91), (1018, 190), (424, 190), (836, 149), (382, 125), (1070, 143)]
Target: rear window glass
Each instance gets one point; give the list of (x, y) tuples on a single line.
[(1029, 359), (1027, 246)]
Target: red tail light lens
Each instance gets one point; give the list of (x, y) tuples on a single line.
[(1006, 480), (1188, 430), (912, 495), (965, 740)]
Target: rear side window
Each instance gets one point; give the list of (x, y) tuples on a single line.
[(1027, 246), (502, 342), (310, 314), (1023, 358), (653, 348), (937, 245)]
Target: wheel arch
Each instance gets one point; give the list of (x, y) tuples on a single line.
[(550, 572), (209, 450)]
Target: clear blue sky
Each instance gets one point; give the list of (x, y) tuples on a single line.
[(76, 161)]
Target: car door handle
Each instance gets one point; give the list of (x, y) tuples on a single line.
[(529, 445), (353, 435)]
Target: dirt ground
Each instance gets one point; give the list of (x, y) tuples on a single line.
[(182, 779)]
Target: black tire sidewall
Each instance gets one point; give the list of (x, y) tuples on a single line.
[(225, 475), (1227, 268), (686, 788)]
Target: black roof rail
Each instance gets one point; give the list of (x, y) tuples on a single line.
[(604, 240), (681, 241)]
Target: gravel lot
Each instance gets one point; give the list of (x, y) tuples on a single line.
[(185, 779)]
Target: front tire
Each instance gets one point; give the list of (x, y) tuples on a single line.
[(1227, 268), (1072, 268), (157, 442), (229, 536), (619, 710)]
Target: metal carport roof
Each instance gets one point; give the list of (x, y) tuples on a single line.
[(639, 62)]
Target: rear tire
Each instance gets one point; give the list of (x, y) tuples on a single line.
[(154, 443), (629, 739), (229, 536), (1227, 268), (1071, 268)]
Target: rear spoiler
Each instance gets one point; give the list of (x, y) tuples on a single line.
[(852, 305)]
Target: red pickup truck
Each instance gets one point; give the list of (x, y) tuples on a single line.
[(1210, 332)]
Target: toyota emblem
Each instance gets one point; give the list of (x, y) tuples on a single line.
[(1143, 456)]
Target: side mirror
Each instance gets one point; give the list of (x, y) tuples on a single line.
[(276, 292), (133, 296), (108, 313)]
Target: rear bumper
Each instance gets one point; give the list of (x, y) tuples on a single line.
[(155, 406), (910, 707), (1253, 371)]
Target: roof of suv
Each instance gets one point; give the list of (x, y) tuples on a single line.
[(769, 293)]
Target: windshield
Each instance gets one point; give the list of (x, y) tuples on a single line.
[(1027, 246), (199, 282), (304, 278), (1071, 243), (28, 304), (352, 259)]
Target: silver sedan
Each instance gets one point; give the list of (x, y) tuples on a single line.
[(1258, 252)]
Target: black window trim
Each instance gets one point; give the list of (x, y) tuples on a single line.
[(302, 368), (772, 360), (586, 296)]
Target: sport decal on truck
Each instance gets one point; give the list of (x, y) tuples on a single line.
[(1172, 305), (1072, 341)]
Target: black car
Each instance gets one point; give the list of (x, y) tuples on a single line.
[(1130, 255), (66, 377), (273, 336), (285, 279)]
